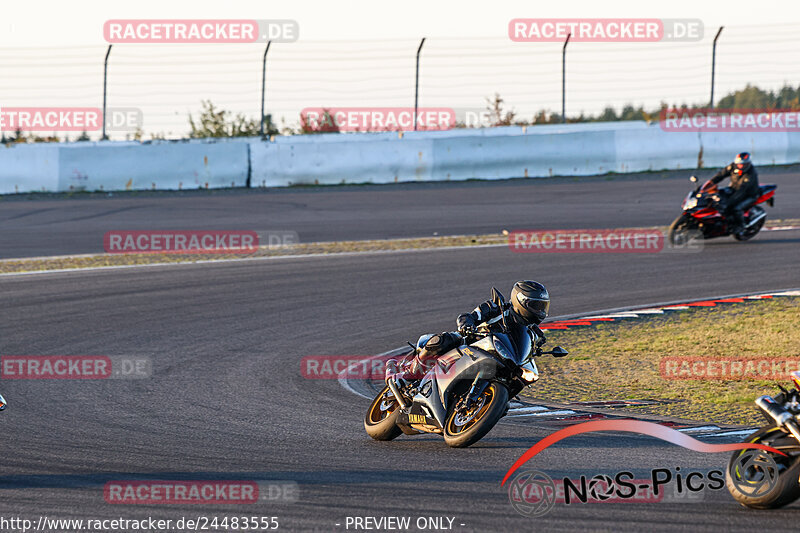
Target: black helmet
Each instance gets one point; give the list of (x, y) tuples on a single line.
[(742, 163), (530, 301)]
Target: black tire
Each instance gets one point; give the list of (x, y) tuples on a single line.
[(680, 231), (750, 232), (494, 402), (787, 488), (380, 421)]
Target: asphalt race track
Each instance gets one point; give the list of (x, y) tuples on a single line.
[(33, 225), (226, 399)]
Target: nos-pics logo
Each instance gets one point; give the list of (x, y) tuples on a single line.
[(532, 493)]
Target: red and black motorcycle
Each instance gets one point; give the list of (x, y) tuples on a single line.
[(701, 218)]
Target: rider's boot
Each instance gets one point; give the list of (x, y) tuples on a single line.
[(736, 222)]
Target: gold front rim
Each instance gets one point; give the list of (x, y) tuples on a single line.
[(382, 407), (454, 429)]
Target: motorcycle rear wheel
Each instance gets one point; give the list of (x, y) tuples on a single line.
[(464, 429), (750, 232), (380, 421), (787, 488)]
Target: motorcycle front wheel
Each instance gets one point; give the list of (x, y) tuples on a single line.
[(381, 419), (466, 427), (749, 485), (680, 231)]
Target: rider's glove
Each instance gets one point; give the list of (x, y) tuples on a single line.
[(487, 310), (465, 323)]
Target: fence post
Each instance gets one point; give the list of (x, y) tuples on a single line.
[(416, 84), (105, 80), (264, 85), (713, 65), (564, 79)]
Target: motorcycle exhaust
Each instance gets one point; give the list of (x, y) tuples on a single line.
[(759, 217), (781, 416)]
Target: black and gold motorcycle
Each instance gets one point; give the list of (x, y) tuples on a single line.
[(463, 393)]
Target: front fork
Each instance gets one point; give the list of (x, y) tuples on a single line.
[(478, 386), (399, 397), (475, 391), (391, 371)]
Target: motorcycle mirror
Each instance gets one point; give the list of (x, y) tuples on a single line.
[(693, 179), (500, 301), (498, 298), (558, 351)]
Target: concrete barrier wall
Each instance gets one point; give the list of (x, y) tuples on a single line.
[(511, 152), (113, 166), (766, 148), (28, 167), (580, 153), (383, 159), (153, 166), (650, 148), (495, 153)]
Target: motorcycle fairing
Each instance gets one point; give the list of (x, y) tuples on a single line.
[(459, 364)]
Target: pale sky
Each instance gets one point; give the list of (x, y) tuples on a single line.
[(361, 53)]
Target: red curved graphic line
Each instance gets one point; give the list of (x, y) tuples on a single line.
[(633, 426)]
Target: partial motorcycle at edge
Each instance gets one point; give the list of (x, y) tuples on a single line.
[(770, 482)]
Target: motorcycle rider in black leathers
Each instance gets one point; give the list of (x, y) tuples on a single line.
[(529, 305), (744, 189)]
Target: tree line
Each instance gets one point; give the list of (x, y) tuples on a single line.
[(213, 122)]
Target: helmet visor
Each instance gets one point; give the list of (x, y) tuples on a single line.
[(537, 306)]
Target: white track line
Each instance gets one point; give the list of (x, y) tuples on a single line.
[(245, 259), (546, 413), (344, 383), (237, 260), (531, 409), (736, 433), (701, 428), (781, 228)]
